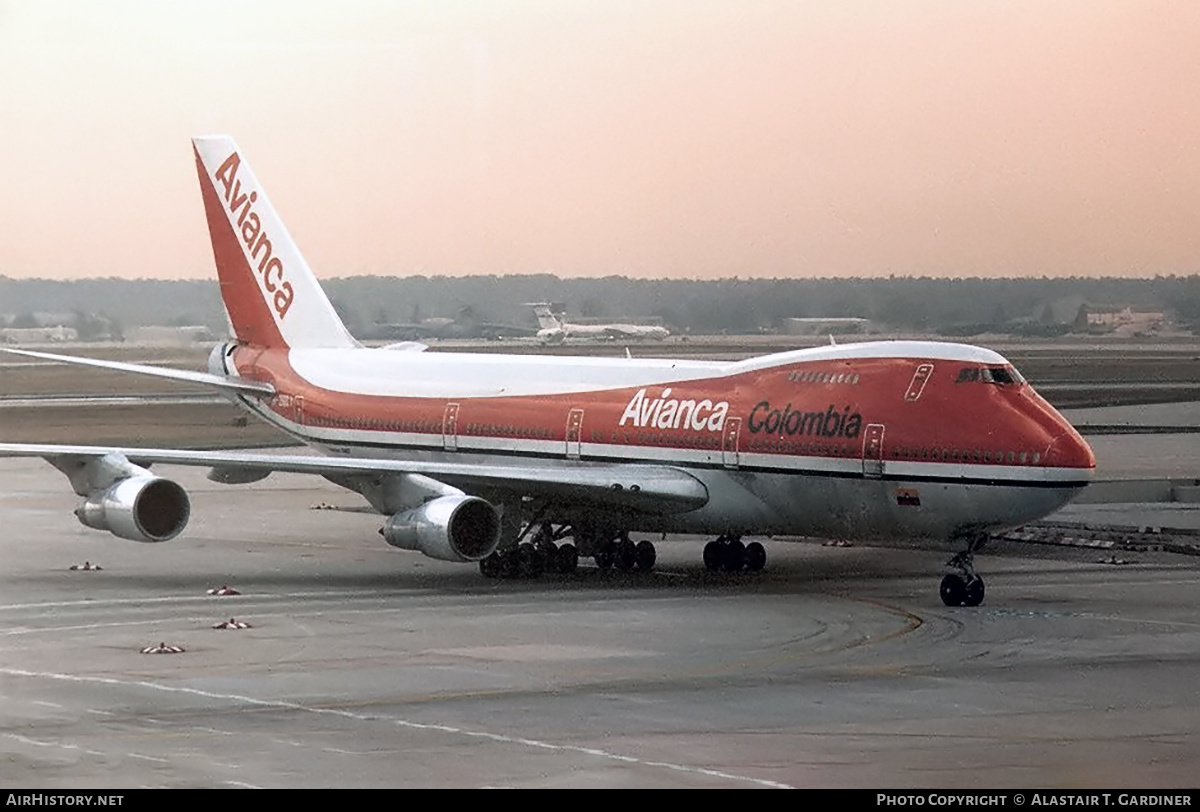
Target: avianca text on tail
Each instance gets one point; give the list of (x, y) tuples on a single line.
[(245, 220)]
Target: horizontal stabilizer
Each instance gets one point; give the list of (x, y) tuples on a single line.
[(225, 383)]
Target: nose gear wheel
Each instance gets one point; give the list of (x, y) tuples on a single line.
[(965, 587)]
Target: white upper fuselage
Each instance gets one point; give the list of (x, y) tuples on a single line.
[(388, 373)]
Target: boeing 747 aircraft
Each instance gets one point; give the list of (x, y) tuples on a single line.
[(523, 462)]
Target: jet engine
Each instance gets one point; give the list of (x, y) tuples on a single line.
[(140, 508), (451, 528)]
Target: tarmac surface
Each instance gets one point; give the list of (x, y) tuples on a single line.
[(367, 666)]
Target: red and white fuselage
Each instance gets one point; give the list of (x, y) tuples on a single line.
[(875, 440)]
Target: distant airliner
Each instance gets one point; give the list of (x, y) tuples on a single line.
[(500, 459), (556, 329)]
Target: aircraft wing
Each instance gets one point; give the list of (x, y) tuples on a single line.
[(239, 386), (656, 489), (644, 488)]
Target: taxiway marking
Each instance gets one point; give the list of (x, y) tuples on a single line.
[(499, 738)]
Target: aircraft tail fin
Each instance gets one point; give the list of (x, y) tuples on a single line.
[(272, 297), (545, 316)]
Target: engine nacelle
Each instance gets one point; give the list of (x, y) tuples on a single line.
[(450, 528), (140, 508), (552, 335)]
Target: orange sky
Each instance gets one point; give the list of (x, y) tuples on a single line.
[(688, 138)]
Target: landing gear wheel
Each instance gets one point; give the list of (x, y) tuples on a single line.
[(728, 553), (605, 555), (645, 556), (973, 595), (756, 556), (567, 559), (626, 555), (491, 566), (733, 556), (964, 588), (548, 550), (954, 590)]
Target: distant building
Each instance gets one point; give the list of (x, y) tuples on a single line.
[(158, 334), (1124, 319), (38, 335), (819, 326)]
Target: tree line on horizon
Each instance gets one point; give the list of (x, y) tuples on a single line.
[(1038, 306)]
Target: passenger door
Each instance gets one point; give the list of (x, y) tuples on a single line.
[(872, 451)]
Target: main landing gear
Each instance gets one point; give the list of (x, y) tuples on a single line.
[(530, 559), (547, 552), (729, 554), (527, 560), (626, 555), (965, 587)]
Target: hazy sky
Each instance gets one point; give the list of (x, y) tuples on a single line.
[(698, 138)]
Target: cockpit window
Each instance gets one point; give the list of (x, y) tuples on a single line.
[(1004, 376)]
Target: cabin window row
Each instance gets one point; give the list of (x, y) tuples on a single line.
[(969, 455), (824, 377), (432, 427), (688, 440), (806, 448), (422, 426), (509, 430)]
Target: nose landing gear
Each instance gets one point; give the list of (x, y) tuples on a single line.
[(959, 591), (965, 587)]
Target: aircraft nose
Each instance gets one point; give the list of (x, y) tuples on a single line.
[(1069, 450)]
